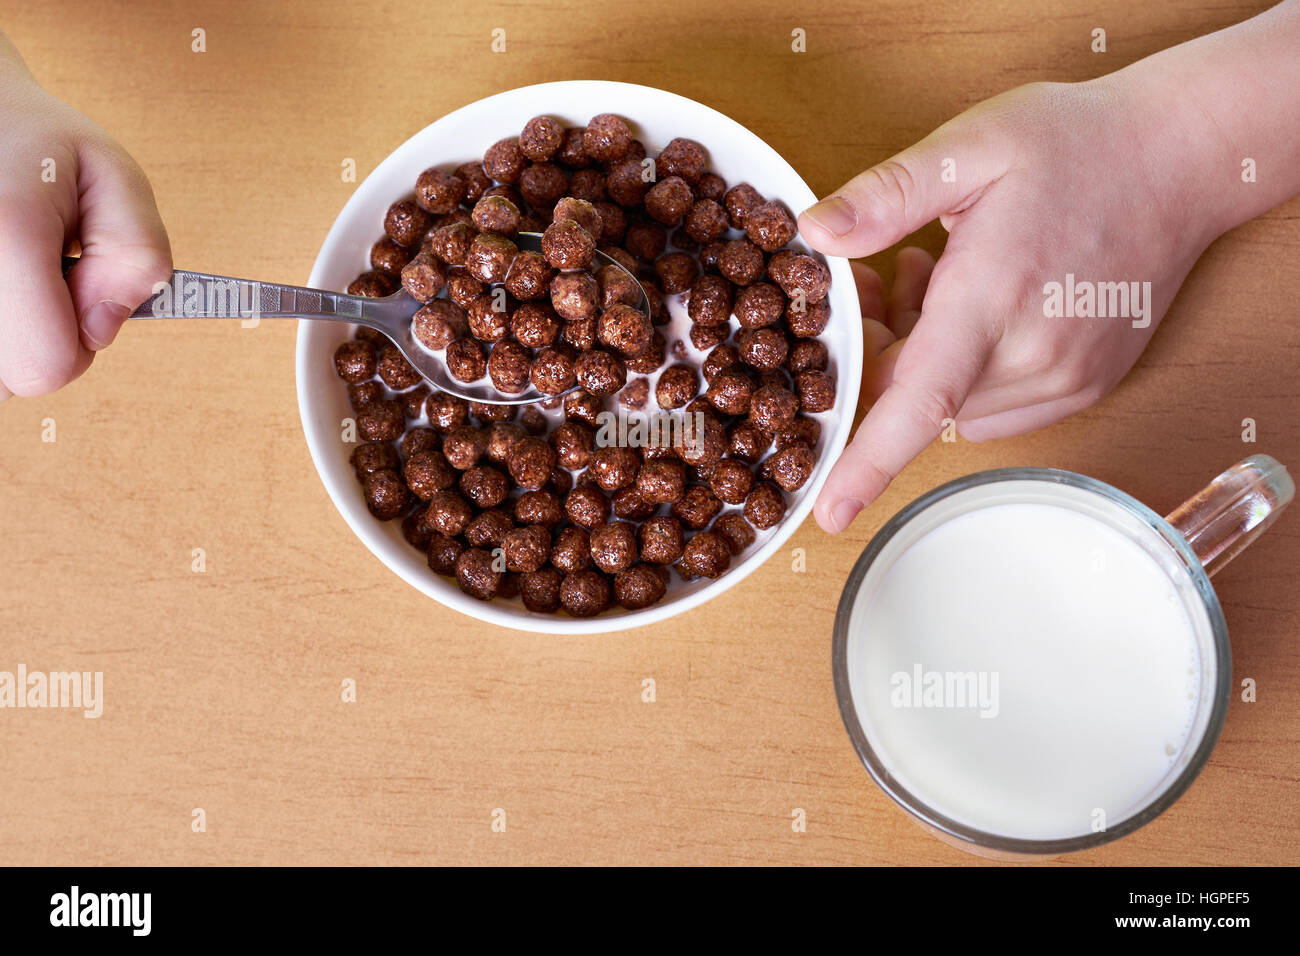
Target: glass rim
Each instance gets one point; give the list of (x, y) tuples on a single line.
[(974, 836)]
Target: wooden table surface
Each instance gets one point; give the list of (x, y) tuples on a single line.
[(222, 688)]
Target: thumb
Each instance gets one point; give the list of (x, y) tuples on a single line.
[(941, 174), (936, 368), (124, 247)]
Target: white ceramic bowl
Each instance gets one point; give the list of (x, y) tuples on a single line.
[(656, 116)]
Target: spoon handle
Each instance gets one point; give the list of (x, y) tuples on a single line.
[(198, 295)]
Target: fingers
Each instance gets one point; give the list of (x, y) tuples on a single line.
[(124, 247), (935, 369), (40, 349), (1017, 421), (876, 337), (941, 174), (907, 294)]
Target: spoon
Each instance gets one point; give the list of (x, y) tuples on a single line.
[(198, 295)]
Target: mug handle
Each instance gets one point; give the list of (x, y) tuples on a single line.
[(1233, 510)]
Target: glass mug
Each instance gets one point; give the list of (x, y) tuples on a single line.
[(1031, 662)]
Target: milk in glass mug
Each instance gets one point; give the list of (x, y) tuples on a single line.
[(1032, 662)]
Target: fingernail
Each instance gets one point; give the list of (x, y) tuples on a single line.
[(834, 214), (842, 514), (101, 323)]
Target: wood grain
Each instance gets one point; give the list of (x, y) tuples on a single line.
[(222, 688)]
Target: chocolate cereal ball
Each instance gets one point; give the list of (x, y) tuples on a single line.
[(533, 420), (504, 161), (702, 446), (735, 531), (747, 441), (540, 590), (530, 463), (705, 221), (580, 334), (614, 466), (535, 325), (669, 200), (541, 138), (509, 366), (566, 245), (363, 393), (465, 360), (394, 370), (575, 295), (584, 593), (464, 446), (539, 507), (685, 158), (380, 420), (629, 505), (427, 473), (490, 257), (600, 373), (571, 550), (816, 391), (501, 439), (585, 185), (661, 481), (791, 466), (772, 408), (810, 320), (583, 407), (739, 200), (765, 505), (484, 486), (801, 431), (442, 550), (573, 442), (639, 586), (801, 273), (697, 507), (354, 361), (769, 226), (542, 184), (648, 361), (415, 531), (731, 480), (676, 386), (763, 349), (476, 181), (448, 513), (553, 371), (496, 214), (419, 439), (807, 355), (706, 555), (626, 184), (613, 546), (526, 548), (571, 152), (710, 300), (582, 212), (476, 573), (606, 138), (719, 360), (488, 529), (488, 317), (386, 494), (372, 285), (387, 256), (439, 323), (730, 391), (675, 271), (373, 456), (711, 186), (406, 223), (759, 305), (587, 506), (438, 191), (741, 262), (462, 288), (624, 329), (661, 539), (446, 412)]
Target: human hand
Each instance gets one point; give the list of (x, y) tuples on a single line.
[(63, 179), (1049, 181)]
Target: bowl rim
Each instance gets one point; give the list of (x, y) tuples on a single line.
[(367, 529)]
